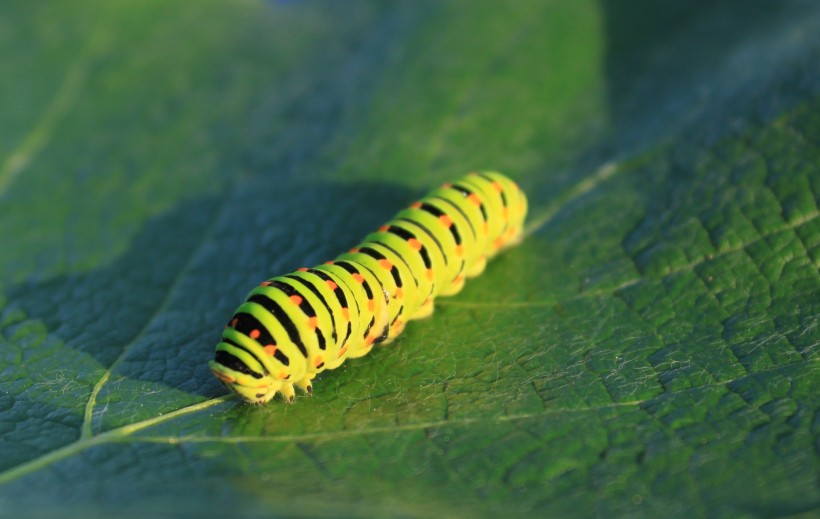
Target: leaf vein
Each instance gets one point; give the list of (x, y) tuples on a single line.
[(88, 415)]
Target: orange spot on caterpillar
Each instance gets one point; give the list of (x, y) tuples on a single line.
[(283, 375), (313, 322), (328, 262), (447, 185), (415, 205), (233, 323), (446, 221), (429, 274), (399, 293), (498, 243), (223, 377), (342, 351), (254, 334), (270, 349), (371, 305), (460, 250), (474, 198), (358, 277), (414, 244), (369, 340), (265, 283), (302, 269), (346, 313), (318, 362), (383, 228), (498, 187), (354, 250), (331, 284), (297, 300), (385, 264), (486, 228), (505, 212)]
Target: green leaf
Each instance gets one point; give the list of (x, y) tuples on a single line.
[(649, 350)]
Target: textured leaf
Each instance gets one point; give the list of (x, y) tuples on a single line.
[(649, 350)]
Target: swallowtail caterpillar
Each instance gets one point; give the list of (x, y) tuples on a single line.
[(292, 327)]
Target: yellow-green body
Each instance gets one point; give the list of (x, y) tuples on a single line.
[(294, 326)]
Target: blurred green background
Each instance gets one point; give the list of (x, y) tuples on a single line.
[(650, 349)]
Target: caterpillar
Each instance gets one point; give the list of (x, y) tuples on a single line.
[(292, 327)]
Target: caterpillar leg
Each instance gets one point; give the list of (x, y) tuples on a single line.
[(425, 310), (305, 383), (288, 389), (362, 348), (361, 351), (454, 287), (395, 329), (288, 392), (477, 267), (390, 332)]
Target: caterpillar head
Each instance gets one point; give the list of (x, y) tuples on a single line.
[(245, 377)]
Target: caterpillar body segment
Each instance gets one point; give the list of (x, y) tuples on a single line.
[(292, 327)]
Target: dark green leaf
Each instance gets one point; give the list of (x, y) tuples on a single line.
[(649, 350)]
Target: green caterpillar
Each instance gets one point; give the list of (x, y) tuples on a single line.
[(292, 327)]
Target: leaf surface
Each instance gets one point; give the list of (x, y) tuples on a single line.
[(649, 350)]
